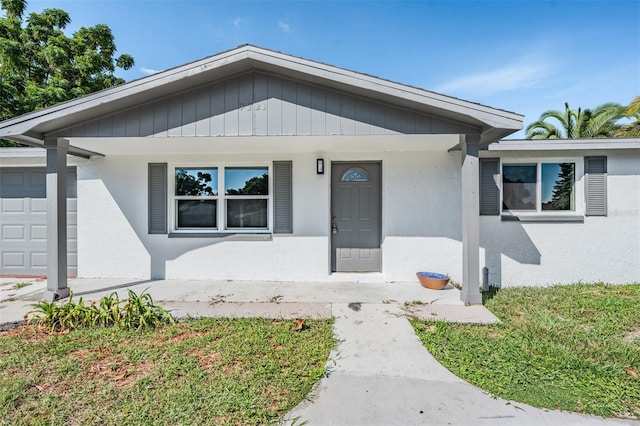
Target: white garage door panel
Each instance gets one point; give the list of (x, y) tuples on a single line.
[(23, 220), (13, 259), (13, 232)]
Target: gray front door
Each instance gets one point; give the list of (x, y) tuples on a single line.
[(356, 193)]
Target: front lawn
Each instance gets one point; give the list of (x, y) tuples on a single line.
[(209, 371), (574, 348)]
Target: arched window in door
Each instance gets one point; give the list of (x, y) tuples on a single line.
[(355, 174)]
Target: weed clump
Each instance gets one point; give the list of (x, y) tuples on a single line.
[(134, 313)]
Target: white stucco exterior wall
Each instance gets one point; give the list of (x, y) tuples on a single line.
[(599, 249), (417, 229), (421, 225)]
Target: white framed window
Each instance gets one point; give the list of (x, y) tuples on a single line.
[(246, 191), (539, 187), (221, 198)]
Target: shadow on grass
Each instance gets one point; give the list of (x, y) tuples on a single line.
[(489, 294)]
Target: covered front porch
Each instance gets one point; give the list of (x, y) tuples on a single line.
[(430, 183)]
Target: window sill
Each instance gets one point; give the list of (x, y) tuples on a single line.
[(537, 217), (226, 236)]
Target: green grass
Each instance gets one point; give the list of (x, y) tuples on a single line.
[(18, 286), (574, 348), (210, 371)]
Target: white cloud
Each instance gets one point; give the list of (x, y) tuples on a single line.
[(237, 22), (148, 71), (519, 75), (284, 26)]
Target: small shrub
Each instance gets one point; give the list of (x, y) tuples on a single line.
[(135, 312)]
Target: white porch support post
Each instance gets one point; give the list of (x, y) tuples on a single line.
[(470, 220), (56, 219)]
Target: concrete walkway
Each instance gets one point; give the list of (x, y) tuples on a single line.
[(253, 298), (380, 374)]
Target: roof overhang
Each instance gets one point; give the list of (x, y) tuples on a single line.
[(32, 128), (321, 145), (529, 145)]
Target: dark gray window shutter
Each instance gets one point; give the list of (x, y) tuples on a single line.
[(595, 177), (489, 190), (157, 198), (282, 198)]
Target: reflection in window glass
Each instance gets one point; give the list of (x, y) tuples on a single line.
[(246, 213), (355, 174), (197, 182), (557, 186), (519, 187), (246, 181), (197, 213)]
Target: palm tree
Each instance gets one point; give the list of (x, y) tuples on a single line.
[(632, 129), (577, 123)]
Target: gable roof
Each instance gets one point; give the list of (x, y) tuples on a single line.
[(32, 128)]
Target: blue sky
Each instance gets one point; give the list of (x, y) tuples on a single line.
[(522, 56)]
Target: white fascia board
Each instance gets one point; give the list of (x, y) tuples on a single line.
[(320, 145), (563, 144), (488, 116)]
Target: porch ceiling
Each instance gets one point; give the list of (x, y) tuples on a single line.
[(265, 144)]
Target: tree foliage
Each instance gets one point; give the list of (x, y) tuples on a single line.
[(255, 186), (632, 129), (41, 66), (188, 184), (601, 121), (562, 189)]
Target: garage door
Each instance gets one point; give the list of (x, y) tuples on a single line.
[(23, 222)]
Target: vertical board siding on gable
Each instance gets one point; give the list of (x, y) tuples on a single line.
[(245, 105), (259, 110), (231, 108), (332, 118), (274, 106), (216, 123), (159, 118), (363, 117), (258, 104), (146, 119), (175, 106), (318, 111), (347, 115), (120, 124), (132, 127), (378, 119), (203, 111), (189, 100), (303, 109), (289, 100)]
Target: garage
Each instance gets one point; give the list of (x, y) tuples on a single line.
[(23, 221)]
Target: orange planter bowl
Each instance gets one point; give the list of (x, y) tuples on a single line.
[(432, 280)]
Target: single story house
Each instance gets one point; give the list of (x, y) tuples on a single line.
[(253, 164)]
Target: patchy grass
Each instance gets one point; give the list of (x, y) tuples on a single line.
[(209, 371), (18, 286), (569, 347)]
